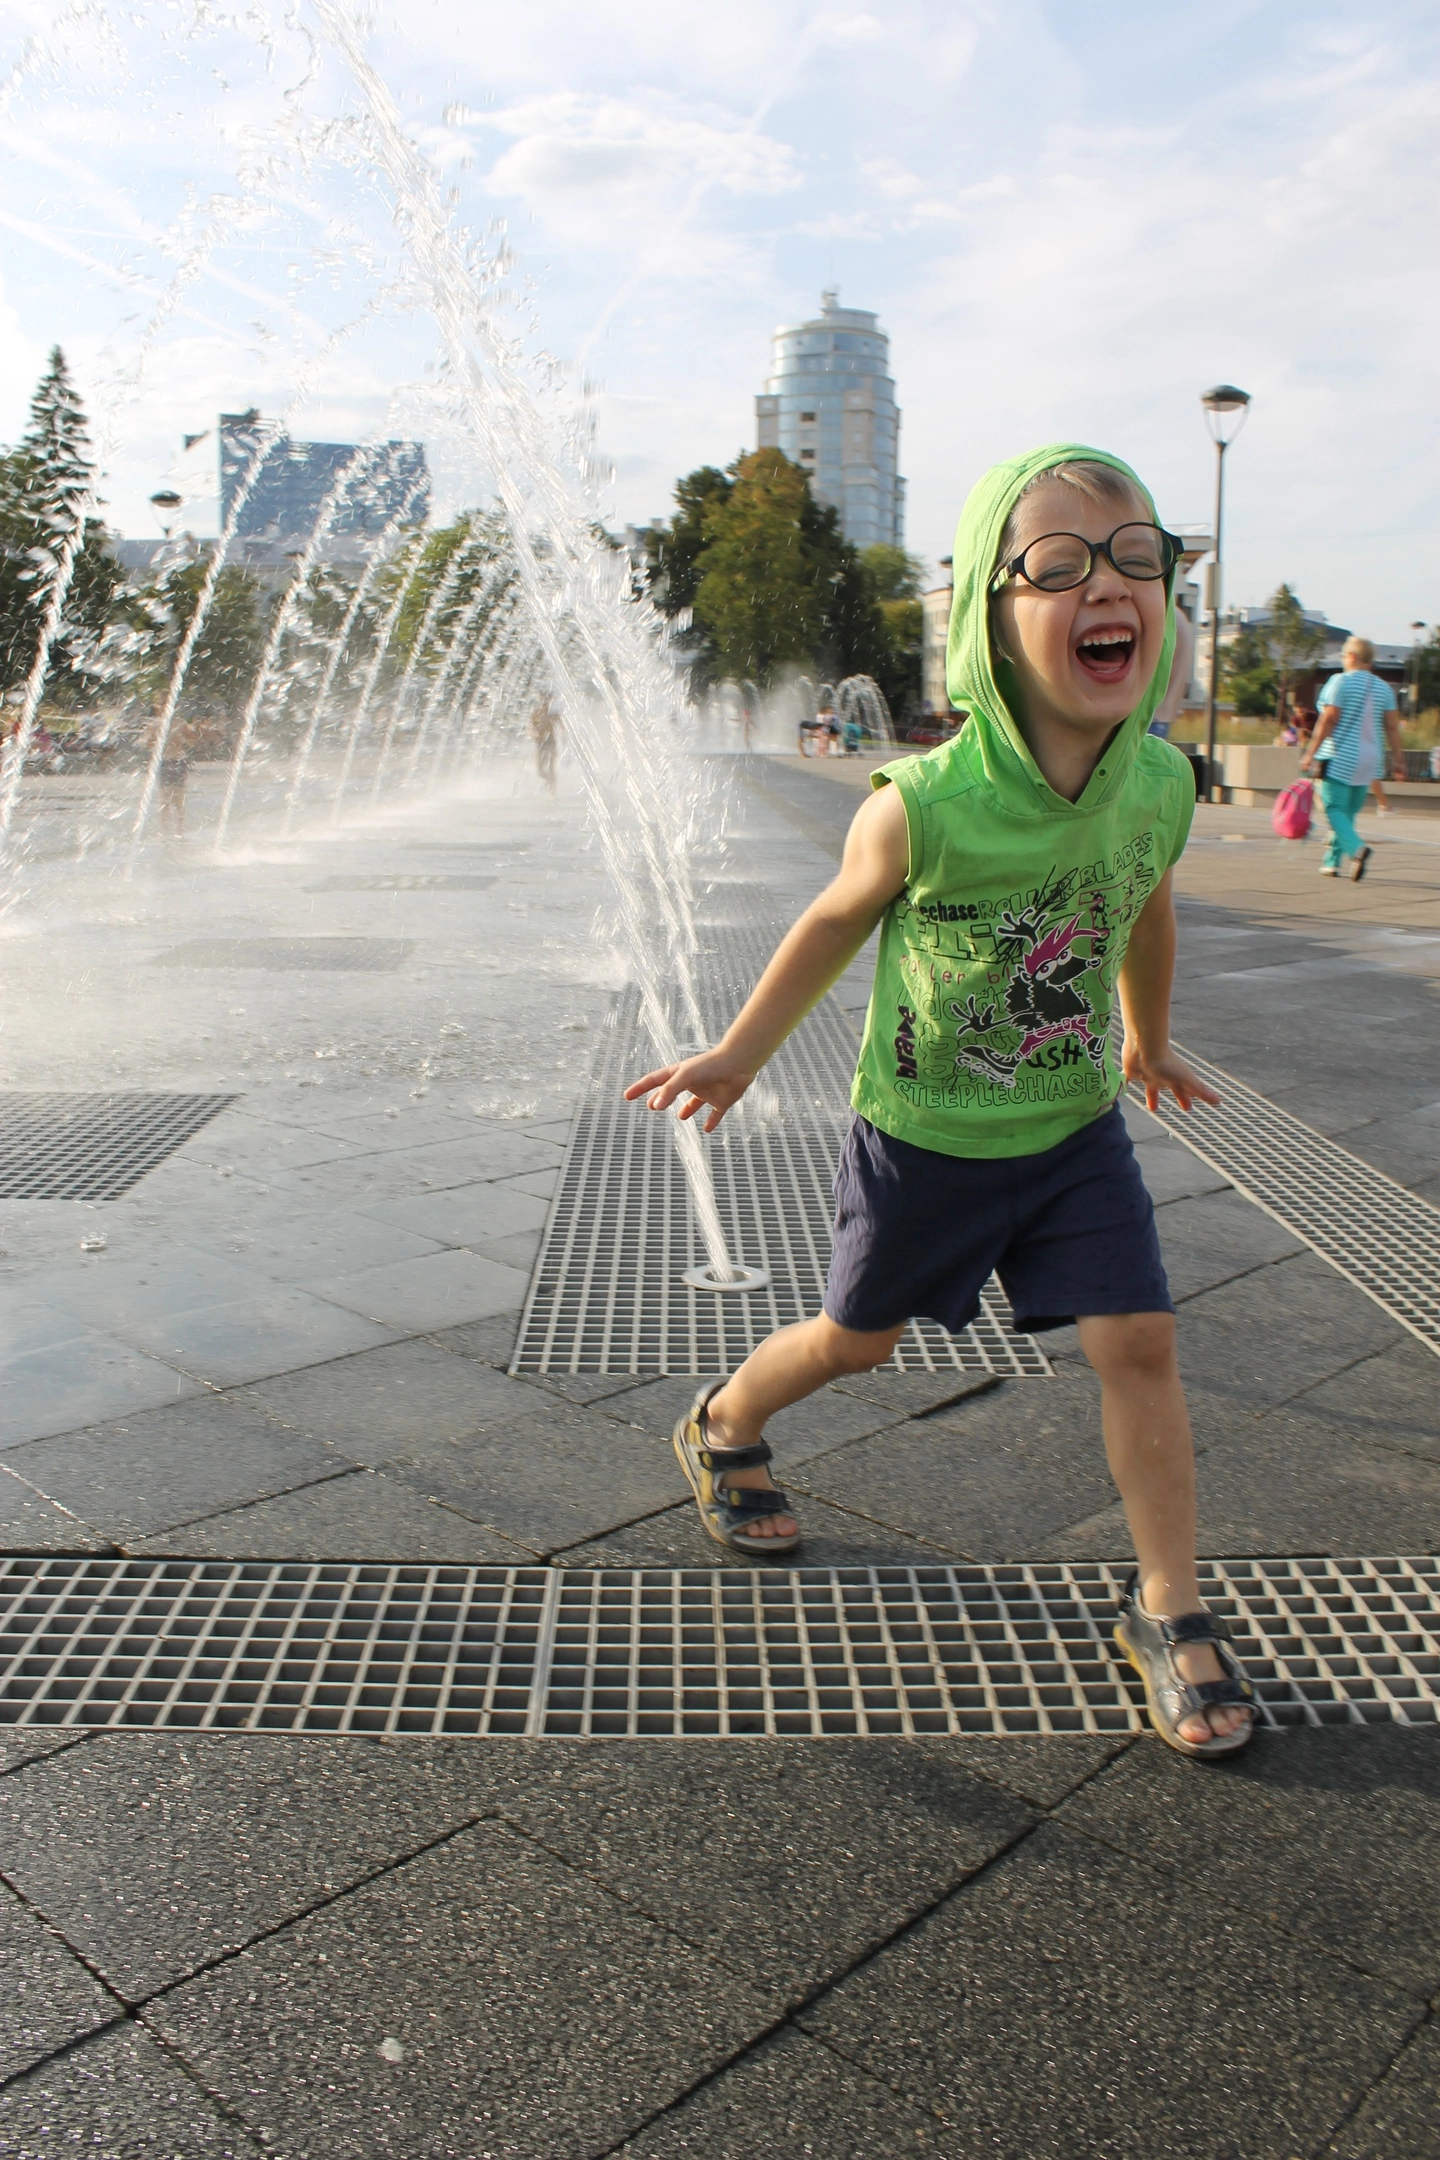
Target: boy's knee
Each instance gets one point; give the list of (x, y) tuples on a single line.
[(1117, 1343), (851, 1351)]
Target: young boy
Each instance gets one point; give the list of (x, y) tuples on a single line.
[(1020, 872)]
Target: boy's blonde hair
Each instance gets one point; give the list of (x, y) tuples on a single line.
[(1362, 648), (1102, 483)]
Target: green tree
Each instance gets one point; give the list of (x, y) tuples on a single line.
[(46, 486), (1248, 674), (895, 580), (893, 574), (761, 589), (455, 561), (1424, 672), (766, 574), (1293, 642), (227, 651)]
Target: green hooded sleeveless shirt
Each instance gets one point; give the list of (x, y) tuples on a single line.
[(989, 1028)]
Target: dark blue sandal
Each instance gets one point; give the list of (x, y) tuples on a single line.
[(1150, 1646), (725, 1510)]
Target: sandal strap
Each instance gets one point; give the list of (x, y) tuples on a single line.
[(744, 1501), (734, 1458), (1237, 1689), (1195, 1627)]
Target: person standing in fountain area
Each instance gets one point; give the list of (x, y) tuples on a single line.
[(545, 734), (1357, 715), (172, 778), (1020, 874)]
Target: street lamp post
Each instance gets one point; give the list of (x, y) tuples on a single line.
[(1221, 406)]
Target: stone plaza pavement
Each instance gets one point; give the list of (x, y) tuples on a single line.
[(292, 1344)]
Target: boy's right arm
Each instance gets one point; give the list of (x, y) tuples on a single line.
[(809, 958)]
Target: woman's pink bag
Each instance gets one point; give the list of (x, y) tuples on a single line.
[(1294, 807)]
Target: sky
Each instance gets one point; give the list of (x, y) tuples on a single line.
[(1069, 219)]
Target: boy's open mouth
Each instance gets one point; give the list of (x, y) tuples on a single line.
[(1106, 654)]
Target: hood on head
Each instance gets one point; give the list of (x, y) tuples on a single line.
[(981, 684)]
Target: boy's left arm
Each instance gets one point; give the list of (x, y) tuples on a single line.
[(1146, 974)]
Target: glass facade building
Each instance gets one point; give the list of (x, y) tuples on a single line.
[(829, 404), (295, 480)]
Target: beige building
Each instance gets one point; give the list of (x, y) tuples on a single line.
[(935, 611)]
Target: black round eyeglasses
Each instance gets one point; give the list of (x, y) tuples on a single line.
[(1057, 562)]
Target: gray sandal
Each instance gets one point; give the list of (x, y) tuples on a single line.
[(725, 1510), (1150, 1646)]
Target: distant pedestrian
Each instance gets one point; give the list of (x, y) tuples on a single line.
[(1357, 713), (173, 777), (545, 733)]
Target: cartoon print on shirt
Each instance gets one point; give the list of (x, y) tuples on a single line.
[(1043, 998), (1021, 988)]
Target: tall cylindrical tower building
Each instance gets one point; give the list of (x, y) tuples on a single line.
[(829, 404)]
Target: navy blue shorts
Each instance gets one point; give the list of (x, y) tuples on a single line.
[(1069, 1231)]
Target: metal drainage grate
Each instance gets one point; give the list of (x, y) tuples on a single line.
[(606, 1295), (280, 954), (419, 882), (686, 1654), (1378, 1234), (92, 1147)]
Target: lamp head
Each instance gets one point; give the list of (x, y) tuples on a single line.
[(1225, 410)]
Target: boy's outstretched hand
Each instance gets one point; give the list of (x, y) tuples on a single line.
[(1159, 1070), (711, 1081)]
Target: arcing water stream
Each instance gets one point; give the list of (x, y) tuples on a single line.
[(552, 611)]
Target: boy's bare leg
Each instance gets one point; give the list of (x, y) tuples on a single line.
[(1147, 1439), (789, 1365)]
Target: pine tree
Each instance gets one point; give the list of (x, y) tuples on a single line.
[(45, 490)]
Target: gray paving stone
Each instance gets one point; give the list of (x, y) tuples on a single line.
[(31, 1523), (790, 2096), (676, 1538), (1334, 1835), (1392, 1400), (1041, 1771), (147, 1473), (47, 1998), (380, 1399), (171, 1278), (489, 1342), (359, 1517), (79, 1382), (156, 1853), (837, 1842), (301, 1247), (401, 1172), (823, 1421), (1171, 1172), (914, 1394), (120, 2096), (439, 1290), (276, 1331), (547, 1476), (992, 1480), (534, 2014), (1073, 2000), (20, 1744), (583, 1388), (1396, 2121), (1264, 1342), (1216, 1238), (1296, 1485), (465, 1214)]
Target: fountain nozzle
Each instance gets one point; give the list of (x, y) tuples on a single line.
[(707, 1277)]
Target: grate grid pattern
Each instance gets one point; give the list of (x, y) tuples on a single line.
[(92, 1147), (606, 1294), (683, 1654), (1378, 1234)]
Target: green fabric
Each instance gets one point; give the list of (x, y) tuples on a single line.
[(988, 1032)]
